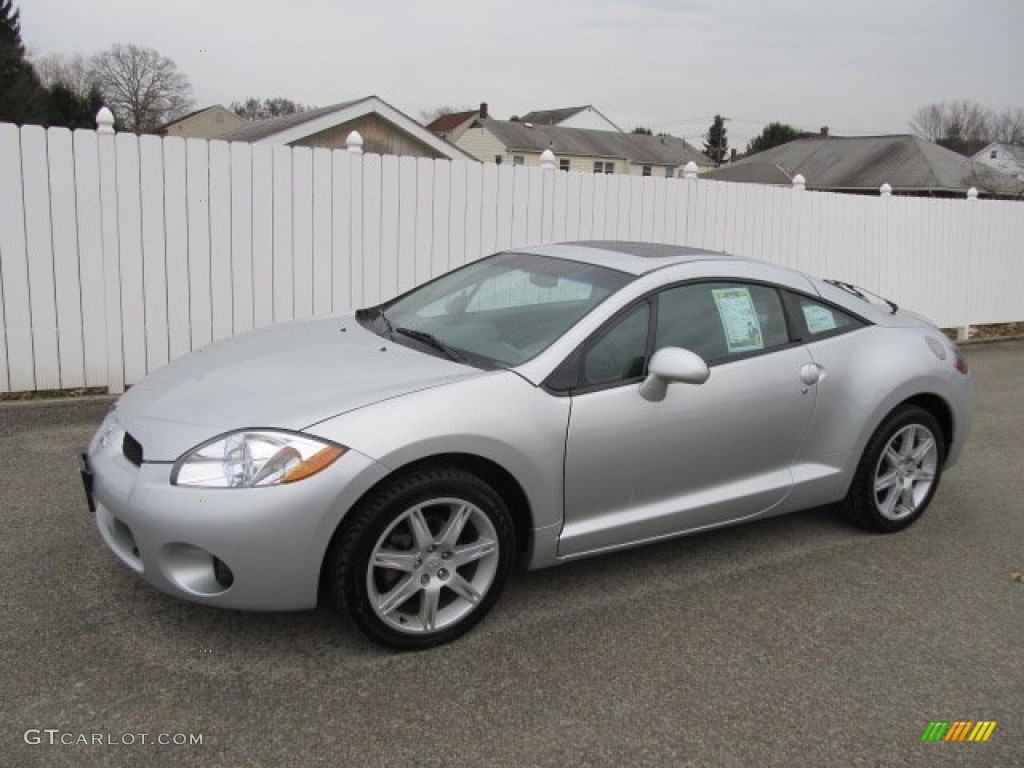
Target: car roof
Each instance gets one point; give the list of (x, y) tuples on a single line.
[(633, 258)]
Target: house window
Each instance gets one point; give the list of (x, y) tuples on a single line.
[(993, 154), (517, 159), (497, 159), (602, 167), (563, 164), (647, 170), (668, 173)]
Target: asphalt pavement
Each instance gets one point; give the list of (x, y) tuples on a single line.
[(797, 641)]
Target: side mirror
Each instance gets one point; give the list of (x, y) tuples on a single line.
[(672, 364)]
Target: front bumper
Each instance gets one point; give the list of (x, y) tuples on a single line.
[(251, 548)]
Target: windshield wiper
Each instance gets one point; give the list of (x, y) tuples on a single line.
[(432, 341)]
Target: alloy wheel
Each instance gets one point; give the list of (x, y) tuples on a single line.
[(432, 566)]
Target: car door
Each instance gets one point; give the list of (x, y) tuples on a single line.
[(706, 454)]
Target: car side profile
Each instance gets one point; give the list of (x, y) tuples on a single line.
[(546, 403)]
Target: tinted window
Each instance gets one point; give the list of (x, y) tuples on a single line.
[(821, 320), (721, 320), (619, 353)]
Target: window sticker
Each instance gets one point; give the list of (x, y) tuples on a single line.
[(739, 319), (818, 318)]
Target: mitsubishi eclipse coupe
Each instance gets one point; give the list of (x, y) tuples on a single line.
[(546, 403)]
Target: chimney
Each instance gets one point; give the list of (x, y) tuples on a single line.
[(483, 109), (824, 131)]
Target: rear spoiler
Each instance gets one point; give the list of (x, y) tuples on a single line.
[(865, 295)]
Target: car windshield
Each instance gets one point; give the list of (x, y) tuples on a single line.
[(502, 310)]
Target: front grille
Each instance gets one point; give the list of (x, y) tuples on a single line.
[(132, 450)]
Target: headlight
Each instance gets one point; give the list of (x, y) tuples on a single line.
[(254, 458)]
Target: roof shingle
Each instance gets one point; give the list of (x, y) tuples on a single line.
[(581, 142), (907, 163)]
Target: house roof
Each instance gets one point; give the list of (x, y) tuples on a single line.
[(291, 128), (581, 142), (559, 116), (551, 116), (261, 129), (450, 121), (751, 173), (183, 118), (907, 163)]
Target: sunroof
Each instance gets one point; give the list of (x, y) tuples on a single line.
[(642, 250)]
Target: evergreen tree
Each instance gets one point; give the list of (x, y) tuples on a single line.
[(22, 98), (717, 145), (773, 135), (68, 109)]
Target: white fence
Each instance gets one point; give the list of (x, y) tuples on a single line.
[(119, 253)]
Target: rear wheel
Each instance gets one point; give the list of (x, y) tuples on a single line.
[(898, 473), (425, 558)]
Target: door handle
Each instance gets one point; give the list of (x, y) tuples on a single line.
[(810, 374)]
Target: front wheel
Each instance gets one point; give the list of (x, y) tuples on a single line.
[(424, 558), (898, 473)]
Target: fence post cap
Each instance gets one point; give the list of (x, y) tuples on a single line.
[(354, 142), (104, 121), (885, 190), (799, 182), (690, 170), (547, 160), (972, 193)]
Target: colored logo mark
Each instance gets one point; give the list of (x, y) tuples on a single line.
[(958, 730)]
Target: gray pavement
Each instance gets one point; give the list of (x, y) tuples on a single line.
[(795, 641)]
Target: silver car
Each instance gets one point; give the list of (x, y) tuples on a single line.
[(548, 403)]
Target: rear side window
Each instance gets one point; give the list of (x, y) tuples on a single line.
[(822, 320)]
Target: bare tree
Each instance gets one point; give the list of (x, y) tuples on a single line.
[(963, 126), (143, 88), (77, 73), (257, 109), (1008, 127)]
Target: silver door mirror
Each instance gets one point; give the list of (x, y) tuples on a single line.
[(672, 364)]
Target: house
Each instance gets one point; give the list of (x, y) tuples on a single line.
[(206, 123), (385, 130), (578, 149), (571, 117), (862, 164), (1005, 158), (452, 125)]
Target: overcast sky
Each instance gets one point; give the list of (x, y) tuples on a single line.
[(858, 66)]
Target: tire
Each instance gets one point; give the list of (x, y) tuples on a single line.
[(424, 558), (899, 472)]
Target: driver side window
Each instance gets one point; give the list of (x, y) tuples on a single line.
[(721, 321)]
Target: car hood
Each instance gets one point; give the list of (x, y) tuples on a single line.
[(288, 376)]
